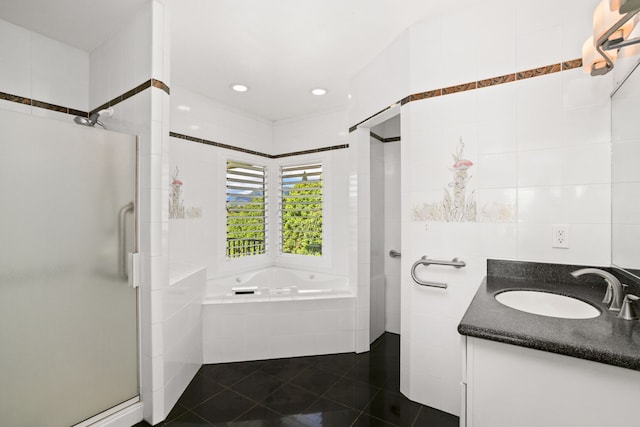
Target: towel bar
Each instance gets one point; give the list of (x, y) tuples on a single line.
[(426, 261)]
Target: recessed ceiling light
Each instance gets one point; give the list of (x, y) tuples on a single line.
[(194, 127), (184, 108), (239, 87), (319, 91)]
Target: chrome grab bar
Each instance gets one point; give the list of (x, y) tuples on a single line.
[(122, 240), (426, 262), (394, 254)]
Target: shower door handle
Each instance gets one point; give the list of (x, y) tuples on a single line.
[(122, 240)]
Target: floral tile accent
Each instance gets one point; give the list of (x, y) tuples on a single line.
[(194, 212), (457, 205), (177, 208), (497, 212), (176, 203), (497, 205)]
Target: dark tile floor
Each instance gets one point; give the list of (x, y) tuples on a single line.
[(338, 390)]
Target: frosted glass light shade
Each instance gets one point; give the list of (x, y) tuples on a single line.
[(614, 5), (604, 18), (591, 57)]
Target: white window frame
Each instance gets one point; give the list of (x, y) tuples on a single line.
[(266, 190), (296, 260)]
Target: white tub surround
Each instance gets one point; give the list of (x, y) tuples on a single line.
[(182, 331), (276, 284), (277, 312)]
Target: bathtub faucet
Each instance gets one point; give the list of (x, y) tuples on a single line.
[(615, 292)]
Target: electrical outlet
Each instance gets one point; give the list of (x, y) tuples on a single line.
[(560, 237)]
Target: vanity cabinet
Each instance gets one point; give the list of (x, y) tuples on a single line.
[(504, 385)]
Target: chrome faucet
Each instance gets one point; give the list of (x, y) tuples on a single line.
[(615, 292)]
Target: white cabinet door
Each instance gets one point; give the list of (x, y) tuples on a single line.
[(515, 386)]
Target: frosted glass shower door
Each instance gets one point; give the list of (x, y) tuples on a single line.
[(68, 319)]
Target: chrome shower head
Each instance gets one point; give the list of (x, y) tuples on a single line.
[(84, 121), (92, 120)]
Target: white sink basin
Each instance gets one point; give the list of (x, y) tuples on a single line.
[(548, 304)]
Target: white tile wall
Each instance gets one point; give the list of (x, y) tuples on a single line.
[(118, 65), (495, 39), (15, 59), (124, 61), (213, 121), (540, 149), (59, 73), (321, 130), (497, 170), (38, 67), (390, 67), (539, 101)]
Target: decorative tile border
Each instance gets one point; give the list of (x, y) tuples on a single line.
[(53, 107), (216, 144), (255, 153), (569, 65), (313, 150), (507, 78), (381, 139), (352, 128), (40, 104), (537, 72), (459, 88), (136, 90)]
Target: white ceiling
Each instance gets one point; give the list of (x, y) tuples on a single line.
[(281, 49), (85, 24)]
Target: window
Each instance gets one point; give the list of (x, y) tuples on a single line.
[(246, 209), (301, 209)]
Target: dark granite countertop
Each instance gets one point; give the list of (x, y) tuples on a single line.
[(606, 338)]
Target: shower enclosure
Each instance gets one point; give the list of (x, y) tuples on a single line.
[(68, 316)]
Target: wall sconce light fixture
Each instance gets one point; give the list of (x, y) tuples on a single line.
[(613, 22)]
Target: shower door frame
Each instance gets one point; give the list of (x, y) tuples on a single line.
[(88, 175), (129, 411)]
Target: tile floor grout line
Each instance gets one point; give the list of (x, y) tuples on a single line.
[(208, 398), (415, 420)]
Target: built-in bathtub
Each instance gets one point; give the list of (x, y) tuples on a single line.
[(277, 312)]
